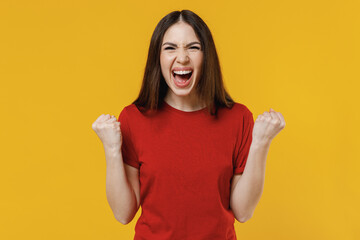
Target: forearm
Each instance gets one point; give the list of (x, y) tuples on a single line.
[(249, 188), (120, 195)]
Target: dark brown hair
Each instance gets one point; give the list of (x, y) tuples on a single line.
[(210, 87)]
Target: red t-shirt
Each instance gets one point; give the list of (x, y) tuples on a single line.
[(186, 161)]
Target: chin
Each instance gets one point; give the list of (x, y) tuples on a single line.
[(182, 92)]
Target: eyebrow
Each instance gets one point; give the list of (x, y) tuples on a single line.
[(173, 44)]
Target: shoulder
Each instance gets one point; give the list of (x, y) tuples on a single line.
[(241, 109), (130, 109), (132, 114), (237, 115), (244, 116), (127, 111)]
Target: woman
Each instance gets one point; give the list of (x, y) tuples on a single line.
[(186, 152)]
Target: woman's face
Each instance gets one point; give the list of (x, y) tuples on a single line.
[(181, 59)]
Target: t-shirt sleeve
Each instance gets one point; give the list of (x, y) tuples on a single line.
[(244, 138), (127, 148)]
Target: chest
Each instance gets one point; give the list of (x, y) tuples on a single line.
[(187, 154)]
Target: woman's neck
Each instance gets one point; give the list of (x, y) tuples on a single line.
[(184, 103)]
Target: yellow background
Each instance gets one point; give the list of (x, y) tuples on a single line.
[(64, 63)]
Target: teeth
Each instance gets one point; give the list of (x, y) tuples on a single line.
[(182, 72)]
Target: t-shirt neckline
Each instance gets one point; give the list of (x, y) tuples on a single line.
[(172, 109)]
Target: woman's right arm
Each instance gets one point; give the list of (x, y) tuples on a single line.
[(122, 186), (122, 181)]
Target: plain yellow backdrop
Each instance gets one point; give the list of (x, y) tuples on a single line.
[(64, 63)]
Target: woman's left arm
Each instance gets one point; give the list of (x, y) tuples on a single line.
[(247, 188)]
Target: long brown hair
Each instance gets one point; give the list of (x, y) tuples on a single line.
[(210, 87)]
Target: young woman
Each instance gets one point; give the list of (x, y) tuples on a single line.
[(186, 152)]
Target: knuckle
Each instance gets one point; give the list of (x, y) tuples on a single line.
[(275, 122)]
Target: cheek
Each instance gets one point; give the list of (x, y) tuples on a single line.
[(165, 66), (162, 61), (199, 61), (165, 61)]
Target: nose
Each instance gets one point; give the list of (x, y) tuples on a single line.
[(182, 56)]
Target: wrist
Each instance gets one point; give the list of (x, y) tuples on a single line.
[(112, 150), (261, 143)]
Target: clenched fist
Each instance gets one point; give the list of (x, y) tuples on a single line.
[(267, 126), (108, 130)]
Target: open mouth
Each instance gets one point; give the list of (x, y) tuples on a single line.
[(182, 76)]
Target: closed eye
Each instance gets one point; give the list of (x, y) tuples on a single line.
[(171, 48)]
